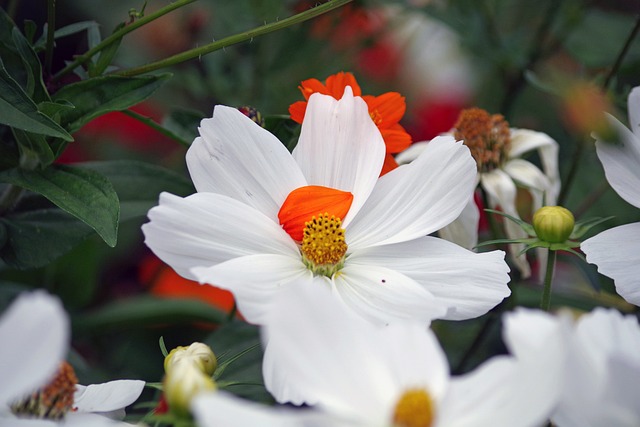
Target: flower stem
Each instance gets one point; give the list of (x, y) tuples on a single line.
[(622, 54), (234, 39), (545, 304), (118, 35), (51, 26), (155, 126)]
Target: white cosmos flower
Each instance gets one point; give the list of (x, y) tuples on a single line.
[(229, 233), (616, 251), (34, 332), (358, 374), (500, 184)]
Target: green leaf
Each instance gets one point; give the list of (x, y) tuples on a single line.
[(183, 123), (65, 31), (19, 111), (139, 184), (83, 193), (99, 95), (106, 55), (35, 86), (34, 149), (36, 238)]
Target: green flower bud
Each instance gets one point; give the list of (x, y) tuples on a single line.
[(197, 354), (185, 380), (553, 224)]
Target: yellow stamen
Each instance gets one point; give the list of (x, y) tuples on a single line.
[(323, 245), (487, 136), (376, 117), (414, 409)]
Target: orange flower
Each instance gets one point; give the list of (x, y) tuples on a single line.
[(385, 110)]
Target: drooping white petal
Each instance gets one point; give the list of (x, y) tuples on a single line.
[(205, 229), (501, 192), (418, 198), (340, 147), (236, 157), (524, 140), (383, 295), (108, 396), (254, 280), (34, 332), (463, 230), (468, 284), (633, 104), (528, 175), (620, 161), (616, 252)]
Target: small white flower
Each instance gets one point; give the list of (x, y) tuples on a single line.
[(237, 231), (616, 251), (34, 332)]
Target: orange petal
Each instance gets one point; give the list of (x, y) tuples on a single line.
[(297, 110), (305, 202), (390, 106), (337, 82), (396, 139), (389, 164), (310, 86)]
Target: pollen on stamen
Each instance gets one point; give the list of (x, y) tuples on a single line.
[(414, 409), (53, 400), (376, 117), (487, 136), (323, 245)]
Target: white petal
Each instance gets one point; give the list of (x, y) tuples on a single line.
[(383, 295), (523, 140), (205, 229), (236, 157), (108, 396), (82, 419), (616, 252), (416, 199), (467, 283), (528, 175), (502, 192), (34, 332), (620, 161), (254, 280), (634, 111), (463, 230), (411, 153), (340, 147)]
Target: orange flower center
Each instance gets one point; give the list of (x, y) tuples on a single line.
[(487, 136), (414, 409), (53, 400)]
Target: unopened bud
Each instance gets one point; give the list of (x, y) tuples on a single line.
[(197, 354), (182, 383), (553, 224), (252, 113)]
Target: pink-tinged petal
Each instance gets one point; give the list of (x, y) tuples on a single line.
[(524, 140), (236, 157), (108, 396), (384, 296), (468, 284), (340, 147), (621, 162), (34, 332), (254, 280), (418, 198), (463, 230), (206, 229), (634, 111), (501, 191), (616, 252)]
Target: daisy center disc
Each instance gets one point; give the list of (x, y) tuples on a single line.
[(414, 409), (323, 246), (53, 400), (487, 136)]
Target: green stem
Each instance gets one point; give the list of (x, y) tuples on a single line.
[(149, 122), (51, 27), (622, 54), (545, 304), (571, 175), (118, 35), (493, 224), (234, 39)]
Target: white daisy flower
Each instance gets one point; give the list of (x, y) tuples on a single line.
[(37, 390), (498, 151), (616, 251), (250, 228)]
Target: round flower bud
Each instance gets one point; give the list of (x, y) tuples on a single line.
[(198, 354), (183, 381), (553, 224)]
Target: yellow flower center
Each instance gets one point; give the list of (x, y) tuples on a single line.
[(53, 400), (323, 246), (376, 117), (414, 409), (487, 136)]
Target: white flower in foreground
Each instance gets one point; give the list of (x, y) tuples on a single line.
[(616, 252), (34, 332), (249, 228), (498, 151), (320, 353)]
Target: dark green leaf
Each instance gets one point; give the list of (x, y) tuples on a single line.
[(34, 149), (183, 123), (35, 86), (65, 31), (106, 55), (99, 95), (83, 193)]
